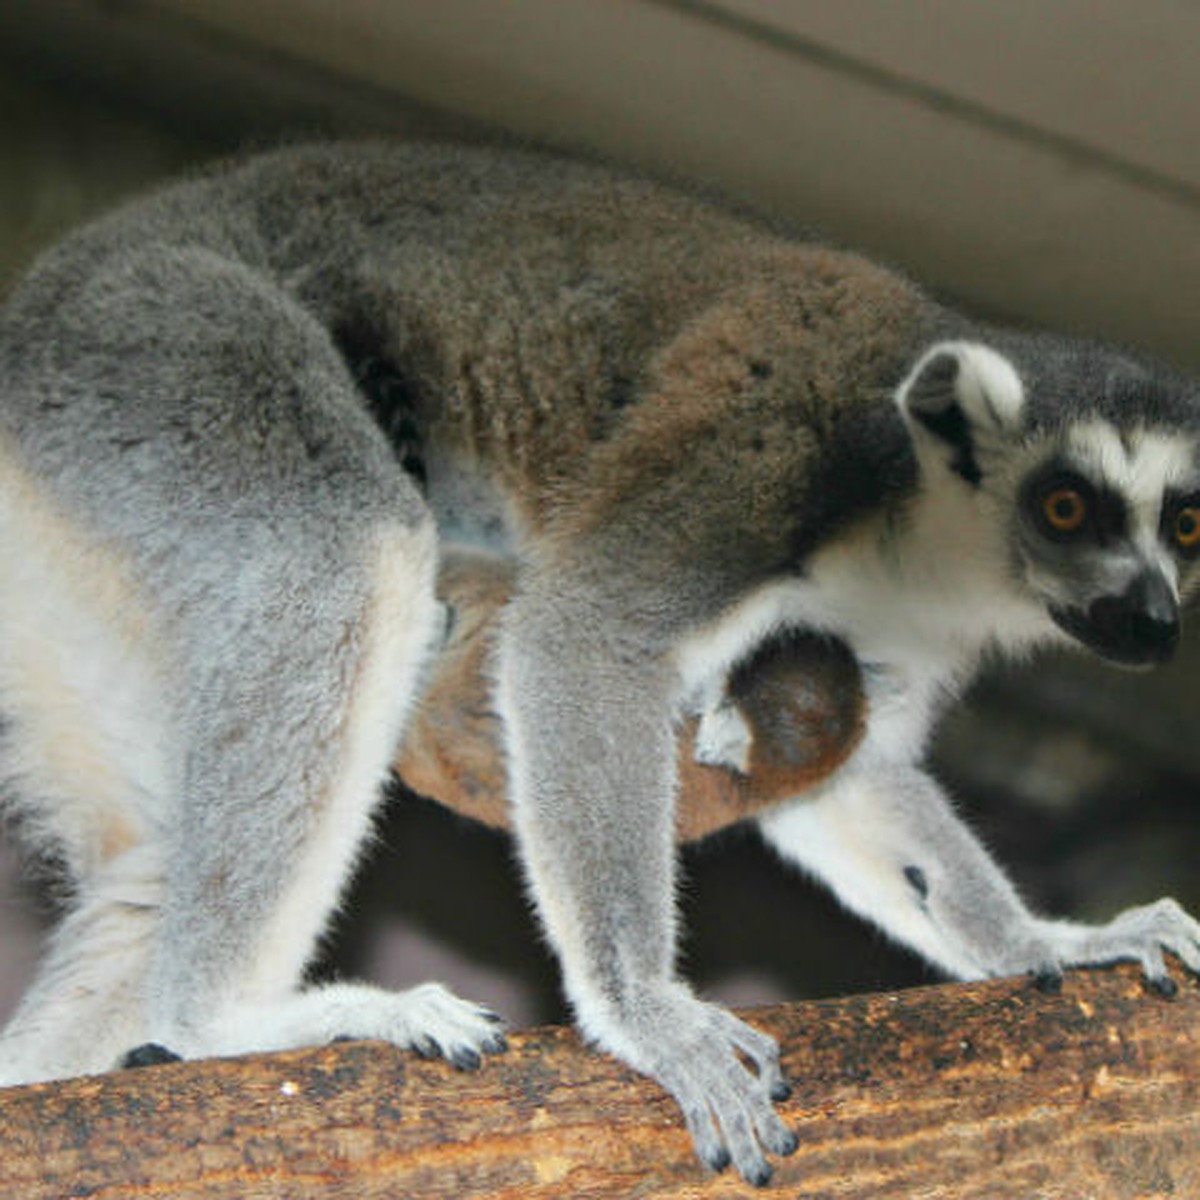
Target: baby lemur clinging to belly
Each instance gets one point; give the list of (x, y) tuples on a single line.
[(690, 433)]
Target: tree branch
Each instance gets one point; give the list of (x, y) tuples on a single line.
[(989, 1090)]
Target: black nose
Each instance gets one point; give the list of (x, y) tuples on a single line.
[(1137, 628), (1140, 627)]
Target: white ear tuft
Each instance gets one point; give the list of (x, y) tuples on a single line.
[(970, 376), (959, 397), (990, 383)]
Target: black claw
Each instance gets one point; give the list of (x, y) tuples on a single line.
[(149, 1054), (1048, 980), (497, 1044), (494, 1017), (761, 1177), (427, 1048), (466, 1059), (791, 1145), (1165, 986), (719, 1160), (781, 1091), (342, 1037)]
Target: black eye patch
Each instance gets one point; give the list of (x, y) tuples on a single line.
[(1180, 523), (1064, 506), (1112, 515)]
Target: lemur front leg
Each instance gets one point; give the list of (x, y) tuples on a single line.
[(591, 751), (887, 841)]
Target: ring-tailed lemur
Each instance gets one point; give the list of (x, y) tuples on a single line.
[(216, 590)]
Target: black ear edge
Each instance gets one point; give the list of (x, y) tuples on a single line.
[(950, 425), (932, 400)]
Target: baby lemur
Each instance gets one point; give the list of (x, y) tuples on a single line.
[(689, 430)]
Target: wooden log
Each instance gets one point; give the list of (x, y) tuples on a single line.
[(992, 1090), (801, 697)]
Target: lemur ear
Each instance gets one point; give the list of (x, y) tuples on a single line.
[(962, 393)]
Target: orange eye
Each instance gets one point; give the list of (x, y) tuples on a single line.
[(1187, 527), (1065, 510)]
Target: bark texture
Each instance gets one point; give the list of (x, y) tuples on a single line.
[(992, 1090)]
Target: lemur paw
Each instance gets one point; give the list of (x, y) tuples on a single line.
[(699, 1052), (1142, 935), (429, 1019), (432, 1021)]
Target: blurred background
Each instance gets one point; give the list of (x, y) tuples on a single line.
[(1035, 161)]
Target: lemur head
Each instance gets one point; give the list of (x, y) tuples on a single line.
[(1084, 465)]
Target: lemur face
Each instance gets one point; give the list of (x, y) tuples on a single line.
[(1108, 527), (1094, 500)]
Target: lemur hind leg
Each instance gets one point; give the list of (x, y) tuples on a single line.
[(309, 615), (274, 824), (286, 565)]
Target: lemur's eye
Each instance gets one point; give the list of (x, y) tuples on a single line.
[(1065, 510), (1187, 527)]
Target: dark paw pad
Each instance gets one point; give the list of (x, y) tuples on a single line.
[(1165, 986), (1048, 980), (149, 1054)]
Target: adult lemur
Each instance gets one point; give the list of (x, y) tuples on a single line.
[(217, 583)]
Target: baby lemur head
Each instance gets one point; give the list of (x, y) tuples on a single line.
[(1088, 462)]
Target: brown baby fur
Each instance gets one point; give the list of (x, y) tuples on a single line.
[(801, 697)]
